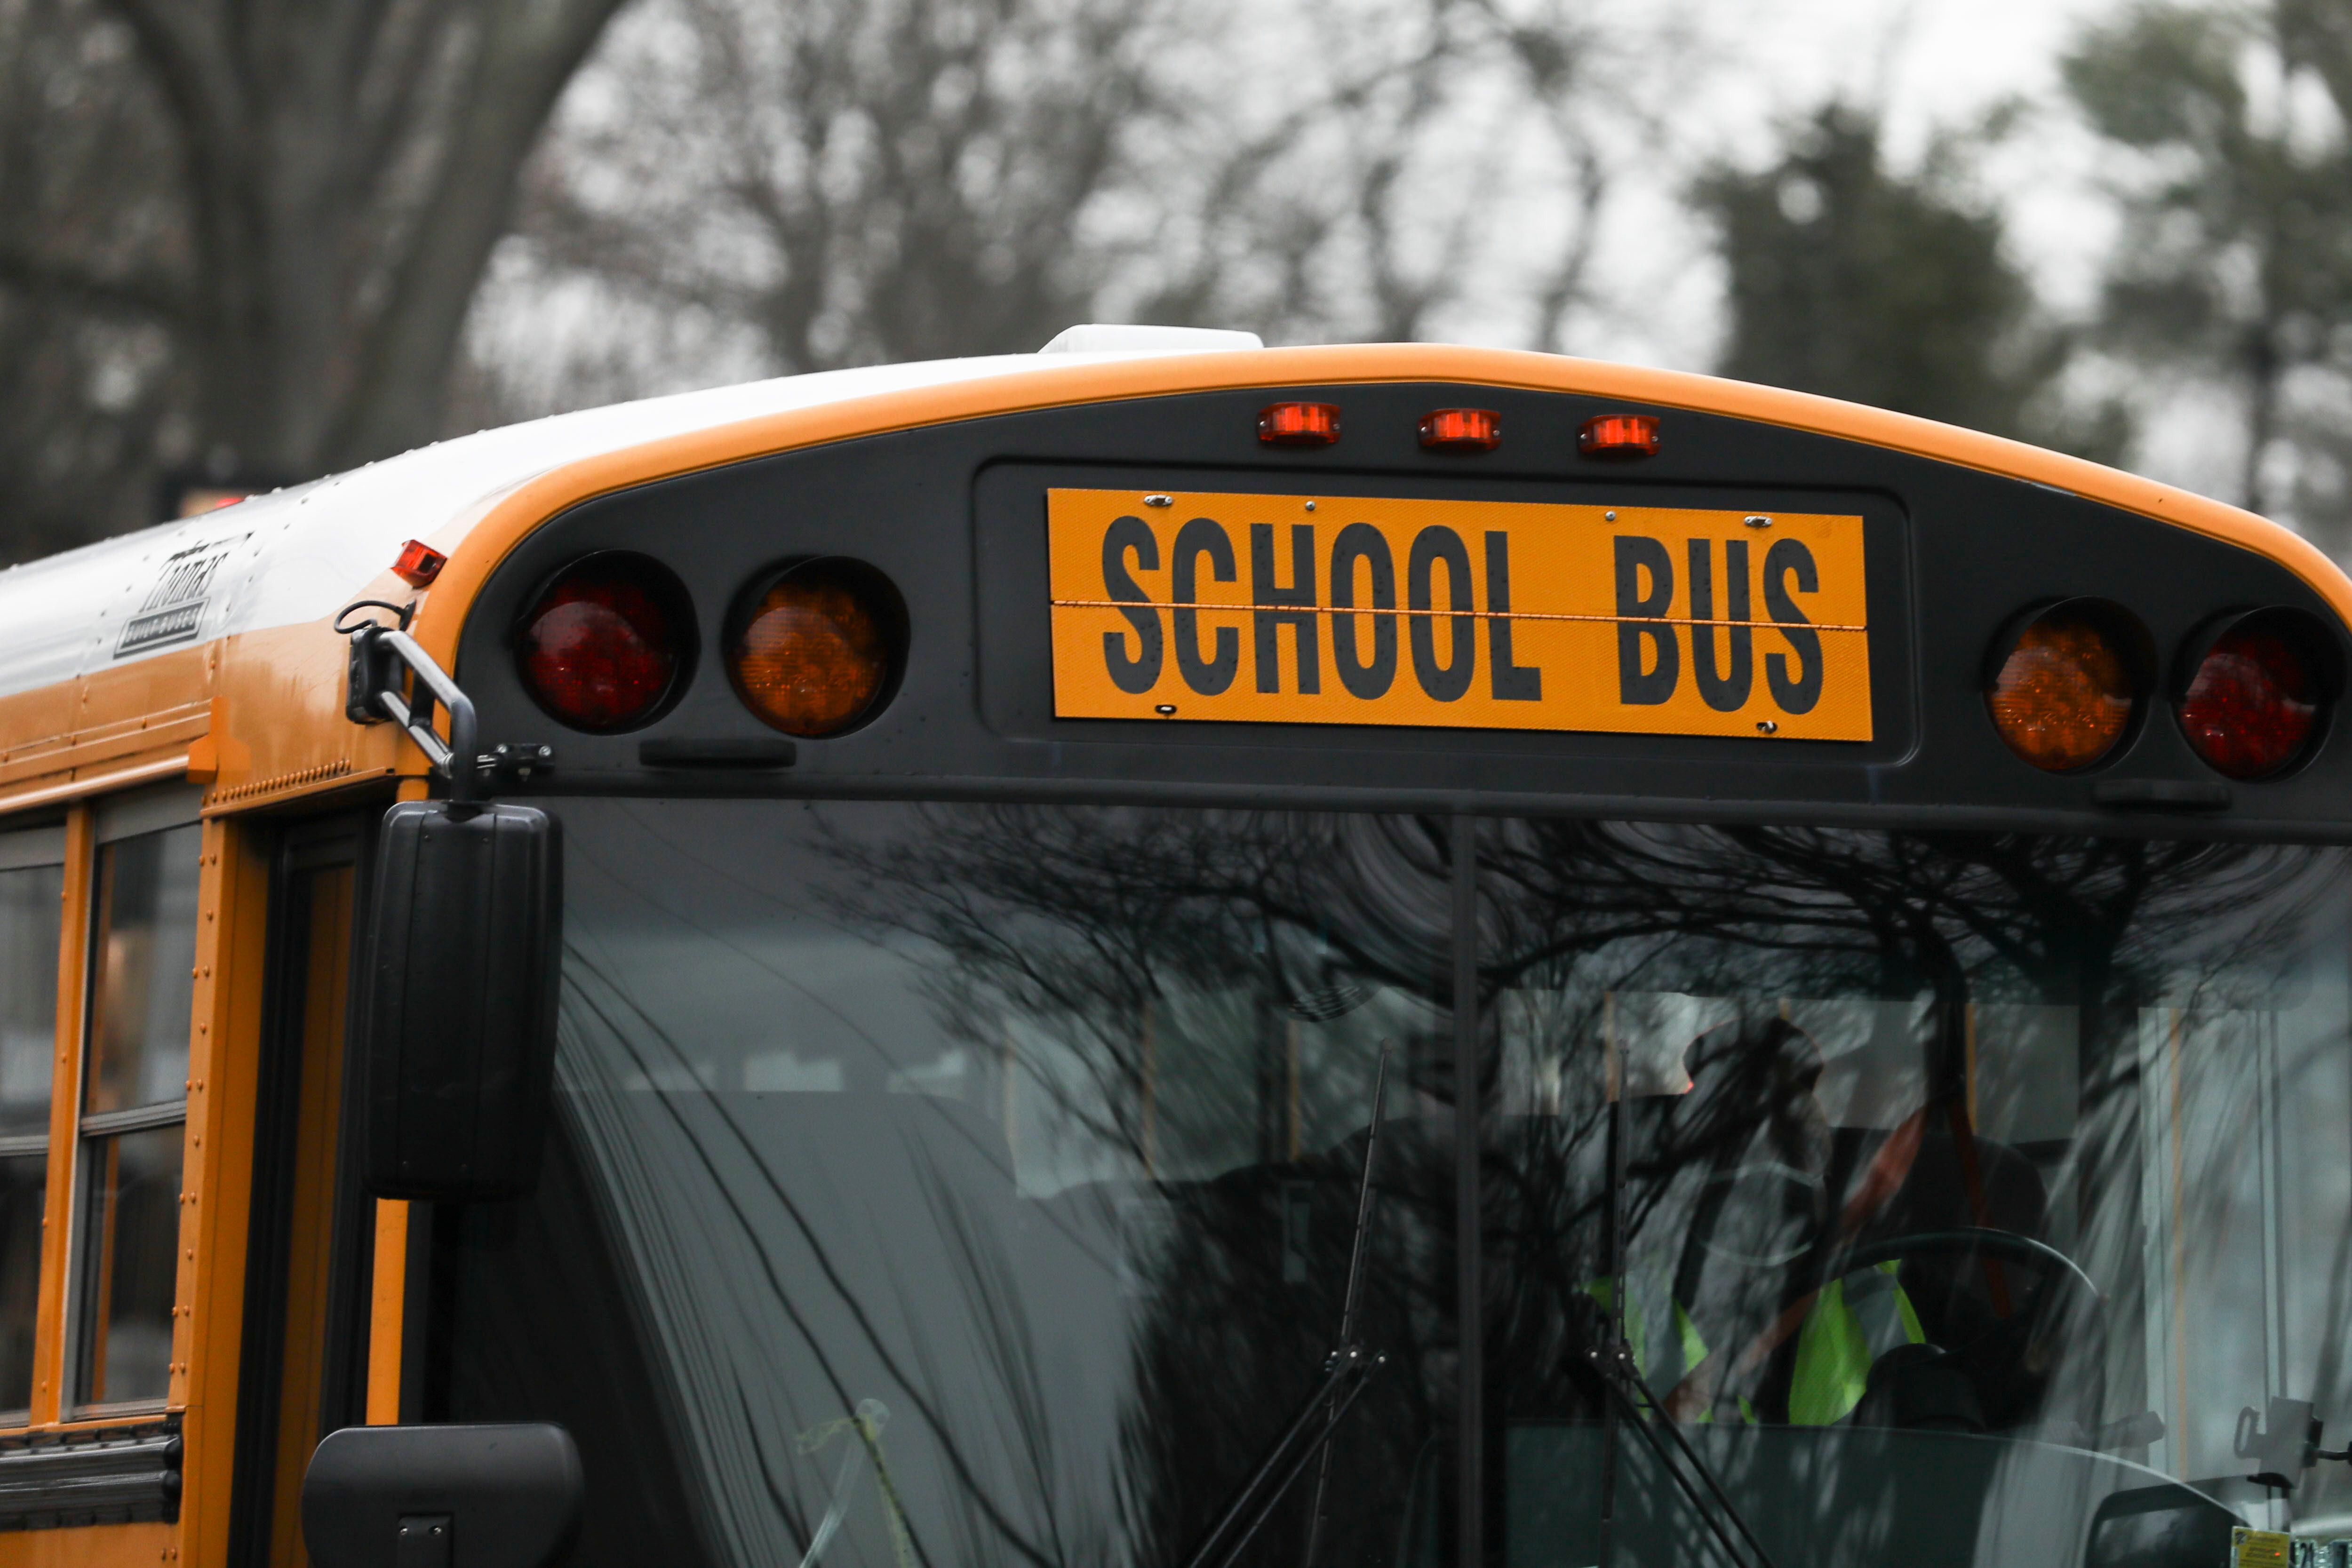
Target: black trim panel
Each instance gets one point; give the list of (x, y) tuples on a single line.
[(953, 514), (126, 1475)]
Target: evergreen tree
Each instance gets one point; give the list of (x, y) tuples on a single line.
[(2234, 265), (1849, 280)]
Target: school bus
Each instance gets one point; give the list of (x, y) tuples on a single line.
[(1176, 953)]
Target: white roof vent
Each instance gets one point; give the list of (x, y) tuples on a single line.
[(1099, 339)]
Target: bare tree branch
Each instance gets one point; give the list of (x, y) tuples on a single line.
[(529, 50), (149, 298)]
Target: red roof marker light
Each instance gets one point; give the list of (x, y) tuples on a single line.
[(1619, 436), (1299, 423), (1461, 430), (419, 564)]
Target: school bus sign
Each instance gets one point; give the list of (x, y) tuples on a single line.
[(1461, 614)]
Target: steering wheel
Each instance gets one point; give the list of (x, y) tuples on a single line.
[(2006, 1369)]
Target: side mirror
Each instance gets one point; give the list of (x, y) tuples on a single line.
[(442, 1496), (458, 1016), (2159, 1527)]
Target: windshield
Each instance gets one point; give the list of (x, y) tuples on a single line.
[(961, 1184)]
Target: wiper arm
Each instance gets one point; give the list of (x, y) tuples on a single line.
[(1614, 1362), (1345, 1373), (1616, 1365)]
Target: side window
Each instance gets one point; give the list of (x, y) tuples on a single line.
[(32, 891), (134, 1111)]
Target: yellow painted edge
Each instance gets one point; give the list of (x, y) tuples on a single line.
[(65, 1124), (385, 1311), (515, 515), (90, 1546), (172, 767), (204, 751), (388, 1300), (223, 1090), (141, 732)]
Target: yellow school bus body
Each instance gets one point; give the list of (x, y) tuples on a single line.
[(254, 714)]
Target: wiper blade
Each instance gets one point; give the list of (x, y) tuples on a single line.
[(1614, 1362), (1350, 1368), (1345, 1373), (1317, 1517), (1616, 1365)]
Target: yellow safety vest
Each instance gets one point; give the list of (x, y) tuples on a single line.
[(1839, 1340)]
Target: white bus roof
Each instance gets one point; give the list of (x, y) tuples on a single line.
[(298, 555)]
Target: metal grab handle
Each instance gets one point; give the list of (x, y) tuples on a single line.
[(376, 694)]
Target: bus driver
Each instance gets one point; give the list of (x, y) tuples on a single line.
[(1747, 1302)]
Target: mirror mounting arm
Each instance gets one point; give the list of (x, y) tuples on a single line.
[(373, 694)]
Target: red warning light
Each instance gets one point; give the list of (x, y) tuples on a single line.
[(607, 644), (2255, 703), (419, 564), (1619, 436), (1461, 430), (1299, 423)]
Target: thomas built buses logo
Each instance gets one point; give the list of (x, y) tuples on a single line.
[(174, 608)]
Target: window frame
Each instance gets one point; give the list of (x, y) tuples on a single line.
[(36, 844), (74, 1134)]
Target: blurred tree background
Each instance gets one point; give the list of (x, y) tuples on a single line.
[(250, 244), (1848, 279)]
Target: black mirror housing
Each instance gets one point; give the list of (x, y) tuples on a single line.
[(2166, 1526), (457, 1017), (442, 1496)]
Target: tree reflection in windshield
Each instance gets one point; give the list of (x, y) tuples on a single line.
[(1963, 1185), (1817, 1029), (1201, 999)]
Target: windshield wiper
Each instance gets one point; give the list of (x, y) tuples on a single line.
[(1310, 1429), (1613, 1360)]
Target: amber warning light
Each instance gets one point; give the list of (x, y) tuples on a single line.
[(2065, 689), (1299, 423), (815, 653)]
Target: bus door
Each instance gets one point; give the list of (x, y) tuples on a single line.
[(304, 1358)]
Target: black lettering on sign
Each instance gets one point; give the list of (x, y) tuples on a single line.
[(1512, 683), (1202, 536), (1724, 692), (1636, 686), (1365, 678), (1795, 694), (1301, 591), (1140, 672), (1444, 682)]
